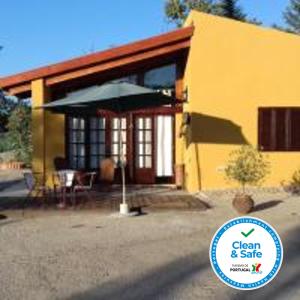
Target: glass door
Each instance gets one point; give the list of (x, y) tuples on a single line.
[(144, 159)]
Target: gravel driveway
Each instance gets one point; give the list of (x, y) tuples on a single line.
[(162, 255)]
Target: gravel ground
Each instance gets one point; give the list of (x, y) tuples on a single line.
[(162, 255)]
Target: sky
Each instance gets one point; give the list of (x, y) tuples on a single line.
[(39, 32)]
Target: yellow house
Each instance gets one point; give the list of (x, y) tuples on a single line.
[(238, 83)]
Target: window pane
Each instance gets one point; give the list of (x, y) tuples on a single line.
[(115, 123), (141, 136), (101, 136), (93, 136), (80, 137), (81, 150), (161, 78), (101, 149), (141, 162), (148, 136), (140, 123), (115, 136), (141, 149), (148, 149), (148, 162), (148, 123), (94, 149), (94, 162), (74, 147), (124, 149), (123, 136), (73, 162), (81, 124), (115, 149), (93, 123), (123, 120), (73, 137), (81, 162)]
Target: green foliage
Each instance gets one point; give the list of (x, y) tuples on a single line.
[(247, 166), (230, 9), (177, 10), (292, 16), (19, 132), (7, 105), (5, 144)]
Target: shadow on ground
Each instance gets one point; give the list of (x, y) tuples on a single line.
[(266, 205), (158, 283), (6, 185), (287, 282)]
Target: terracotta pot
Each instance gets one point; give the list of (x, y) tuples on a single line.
[(243, 203)]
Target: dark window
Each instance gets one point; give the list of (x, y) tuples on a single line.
[(279, 129), (162, 78), (97, 141), (77, 150)]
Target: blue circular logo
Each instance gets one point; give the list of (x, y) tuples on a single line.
[(246, 253)]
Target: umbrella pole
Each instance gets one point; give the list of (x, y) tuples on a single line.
[(124, 209)]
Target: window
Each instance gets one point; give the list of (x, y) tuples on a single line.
[(161, 78), (279, 129), (97, 141), (77, 143)]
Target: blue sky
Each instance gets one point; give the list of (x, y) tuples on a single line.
[(36, 33)]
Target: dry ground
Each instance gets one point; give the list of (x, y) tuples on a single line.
[(160, 255)]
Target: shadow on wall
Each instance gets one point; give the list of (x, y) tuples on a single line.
[(212, 130), (205, 129)]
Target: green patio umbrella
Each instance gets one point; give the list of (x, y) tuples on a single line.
[(117, 97)]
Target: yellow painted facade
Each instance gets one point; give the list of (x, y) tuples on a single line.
[(233, 69), (48, 131)]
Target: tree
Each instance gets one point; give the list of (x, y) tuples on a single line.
[(19, 132), (177, 10), (230, 9), (247, 166), (7, 105), (292, 16)]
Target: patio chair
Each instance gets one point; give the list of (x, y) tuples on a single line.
[(35, 187), (83, 184), (63, 181)]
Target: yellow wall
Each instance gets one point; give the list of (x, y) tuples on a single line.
[(48, 132), (234, 68)]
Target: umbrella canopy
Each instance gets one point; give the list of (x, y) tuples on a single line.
[(117, 97)]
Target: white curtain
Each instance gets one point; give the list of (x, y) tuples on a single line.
[(164, 146)]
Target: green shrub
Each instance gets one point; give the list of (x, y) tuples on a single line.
[(5, 143), (247, 166), (19, 133)]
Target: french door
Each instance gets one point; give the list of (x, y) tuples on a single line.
[(146, 142), (144, 149)]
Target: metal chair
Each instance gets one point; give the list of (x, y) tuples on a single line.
[(63, 182), (83, 184), (35, 187)]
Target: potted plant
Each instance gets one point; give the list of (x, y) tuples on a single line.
[(247, 166)]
